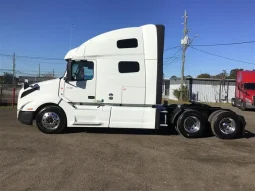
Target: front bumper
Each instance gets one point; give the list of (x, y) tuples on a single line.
[(250, 105), (26, 117)]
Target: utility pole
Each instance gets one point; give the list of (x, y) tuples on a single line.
[(39, 70), (185, 43), (13, 70)]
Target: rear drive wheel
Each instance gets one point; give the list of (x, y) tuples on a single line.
[(191, 124), (226, 125), (213, 114), (51, 119)]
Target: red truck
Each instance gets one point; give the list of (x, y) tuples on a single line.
[(245, 90)]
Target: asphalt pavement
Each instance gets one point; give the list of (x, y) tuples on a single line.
[(105, 159)]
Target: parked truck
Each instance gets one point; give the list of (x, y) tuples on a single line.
[(114, 80), (244, 90)]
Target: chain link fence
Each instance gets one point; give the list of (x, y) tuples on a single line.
[(8, 94)]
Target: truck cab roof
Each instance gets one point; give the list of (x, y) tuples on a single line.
[(144, 38)]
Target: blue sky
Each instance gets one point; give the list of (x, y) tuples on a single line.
[(42, 28)]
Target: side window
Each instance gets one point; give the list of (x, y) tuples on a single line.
[(127, 43), (82, 70), (128, 67)]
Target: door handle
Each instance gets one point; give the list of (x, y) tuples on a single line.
[(91, 97)]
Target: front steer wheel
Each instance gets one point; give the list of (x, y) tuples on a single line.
[(243, 106), (191, 124), (226, 125), (51, 120)]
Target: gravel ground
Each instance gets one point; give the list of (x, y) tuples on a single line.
[(96, 159)]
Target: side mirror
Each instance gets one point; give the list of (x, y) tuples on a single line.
[(69, 71), (26, 85)]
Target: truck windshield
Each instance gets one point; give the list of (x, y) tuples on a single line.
[(249, 86)]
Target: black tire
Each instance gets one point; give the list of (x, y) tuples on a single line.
[(54, 117), (193, 116), (243, 106), (226, 132), (213, 114), (176, 129), (233, 102)]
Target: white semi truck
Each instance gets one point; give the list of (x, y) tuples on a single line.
[(114, 80)]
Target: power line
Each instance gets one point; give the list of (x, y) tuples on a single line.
[(26, 73), (174, 56), (218, 44), (171, 48), (226, 44), (31, 57), (222, 56), (21, 60), (39, 58), (174, 61), (49, 58), (169, 58), (33, 71), (36, 74), (7, 55)]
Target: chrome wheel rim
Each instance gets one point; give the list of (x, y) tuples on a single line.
[(192, 124), (50, 120), (227, 125)]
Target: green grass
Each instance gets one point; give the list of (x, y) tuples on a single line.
[(175, 101)]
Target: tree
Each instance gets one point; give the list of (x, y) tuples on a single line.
[(222, 75), (7, 78), (173, 77), (233, 72), (185, 93), (204, 75)]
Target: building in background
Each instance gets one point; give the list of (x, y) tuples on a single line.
[(202, 89)]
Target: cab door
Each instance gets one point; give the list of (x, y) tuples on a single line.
[(81, 92), (82, 88)]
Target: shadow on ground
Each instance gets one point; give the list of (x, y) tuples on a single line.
[(120, 131), (247, 134)]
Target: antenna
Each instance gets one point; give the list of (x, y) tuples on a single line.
[(71, 36)]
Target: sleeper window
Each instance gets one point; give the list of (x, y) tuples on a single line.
[(127, 43), (128, 67)]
